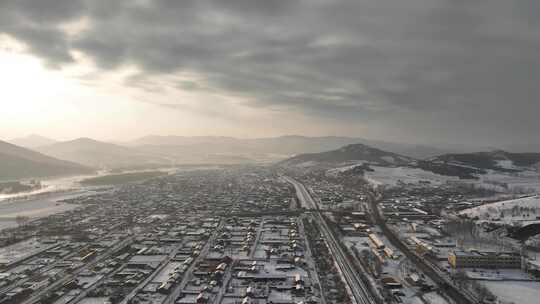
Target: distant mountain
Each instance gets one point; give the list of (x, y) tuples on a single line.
[(349, 154), (21, 163), (284, 146), (99, 154), (494, 160), (172, 140), (203, 154), (32, 141)]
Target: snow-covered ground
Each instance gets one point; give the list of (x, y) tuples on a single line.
[(524, 210), (524, 181), (434, 298), (344, 168), (506, 164), (391, 176), (515, 292), (499, 275), (307, 164)]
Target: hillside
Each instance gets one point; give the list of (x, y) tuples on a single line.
[(98, 154), (17, 163), (523, 210), (354, 153), (32, 141), (498, 171), (501, 161)]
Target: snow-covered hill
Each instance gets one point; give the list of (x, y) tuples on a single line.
[(501, 161), (350, 154), (525, 210)]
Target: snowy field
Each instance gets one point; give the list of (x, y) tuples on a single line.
[(344, 168), (525, 182), (391, 176), (515, 292), (499, 275), (434, 298), (518, 210)]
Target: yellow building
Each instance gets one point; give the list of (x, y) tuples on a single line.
[(484, 259)]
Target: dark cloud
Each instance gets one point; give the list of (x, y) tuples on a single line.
[(425, 67)]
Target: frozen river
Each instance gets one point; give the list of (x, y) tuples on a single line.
[(42, 202), (49, 186), (38, 206)]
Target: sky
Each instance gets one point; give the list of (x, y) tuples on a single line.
[(445, 71)]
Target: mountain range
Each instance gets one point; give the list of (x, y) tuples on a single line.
[(76, 156), (283, 146), (350, 153), (99, 154), (20, 163), (464, 165), (32, 141)]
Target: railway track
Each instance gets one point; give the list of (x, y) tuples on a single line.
[(359, 292)]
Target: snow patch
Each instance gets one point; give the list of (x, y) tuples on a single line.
[(515, 292), (506, 164), (343, 169), (306, 164), (389, 159)]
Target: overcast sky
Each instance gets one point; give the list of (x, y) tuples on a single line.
[(458, 71)]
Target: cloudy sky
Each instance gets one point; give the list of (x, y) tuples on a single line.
[(458, 71)]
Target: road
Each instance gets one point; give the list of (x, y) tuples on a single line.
[(360, 293), (257, 239), (225, 282)]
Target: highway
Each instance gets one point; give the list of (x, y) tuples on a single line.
[(359, 292)]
